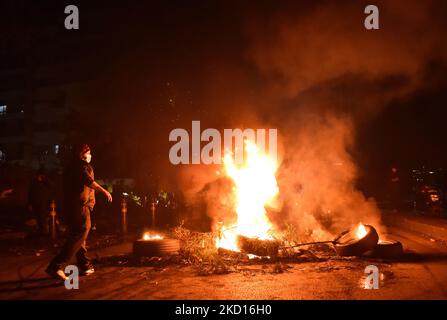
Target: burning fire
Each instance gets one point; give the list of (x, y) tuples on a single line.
[(255, 187), (361, 231), (148, 236)]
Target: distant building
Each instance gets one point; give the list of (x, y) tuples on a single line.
[(33, 125), (43, 69)]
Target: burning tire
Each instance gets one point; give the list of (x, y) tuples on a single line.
[(258, 247), (155, 248), (388, 249), (347, 244)]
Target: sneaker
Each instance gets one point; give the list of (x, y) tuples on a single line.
[(56, 273), (87, 270)]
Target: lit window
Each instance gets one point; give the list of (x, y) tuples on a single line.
[(56, 149), (3, 109)]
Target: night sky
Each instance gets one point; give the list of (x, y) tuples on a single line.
[(152, 66)]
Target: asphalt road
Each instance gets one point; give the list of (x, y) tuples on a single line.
[(423, 275)]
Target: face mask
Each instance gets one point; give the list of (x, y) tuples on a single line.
[(88, 158)]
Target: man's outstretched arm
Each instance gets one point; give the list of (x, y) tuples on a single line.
[(96, 186)]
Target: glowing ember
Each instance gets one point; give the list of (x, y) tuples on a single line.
[(361, 231), (253, 256), (148, 236), (255, 187)]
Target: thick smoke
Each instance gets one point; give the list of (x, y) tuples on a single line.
[(322, 74)]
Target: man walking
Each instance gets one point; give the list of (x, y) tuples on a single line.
[(79, 192)]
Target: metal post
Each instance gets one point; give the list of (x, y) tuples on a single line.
[(53, 220), (124, 216), (153, 214)]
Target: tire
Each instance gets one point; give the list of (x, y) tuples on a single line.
[(348, 245), (155, 248), (388, 249)]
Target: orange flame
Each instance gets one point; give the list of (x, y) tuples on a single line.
[(255, 187), (361, 231), (147, 236)]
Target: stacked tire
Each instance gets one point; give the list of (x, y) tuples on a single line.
[(388, 249), (155, 248), (348, 245)]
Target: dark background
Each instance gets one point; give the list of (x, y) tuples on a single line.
[(152, 66)]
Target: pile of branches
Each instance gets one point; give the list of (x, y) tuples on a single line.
[(195, 247), (199, 249), (291, 237)]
